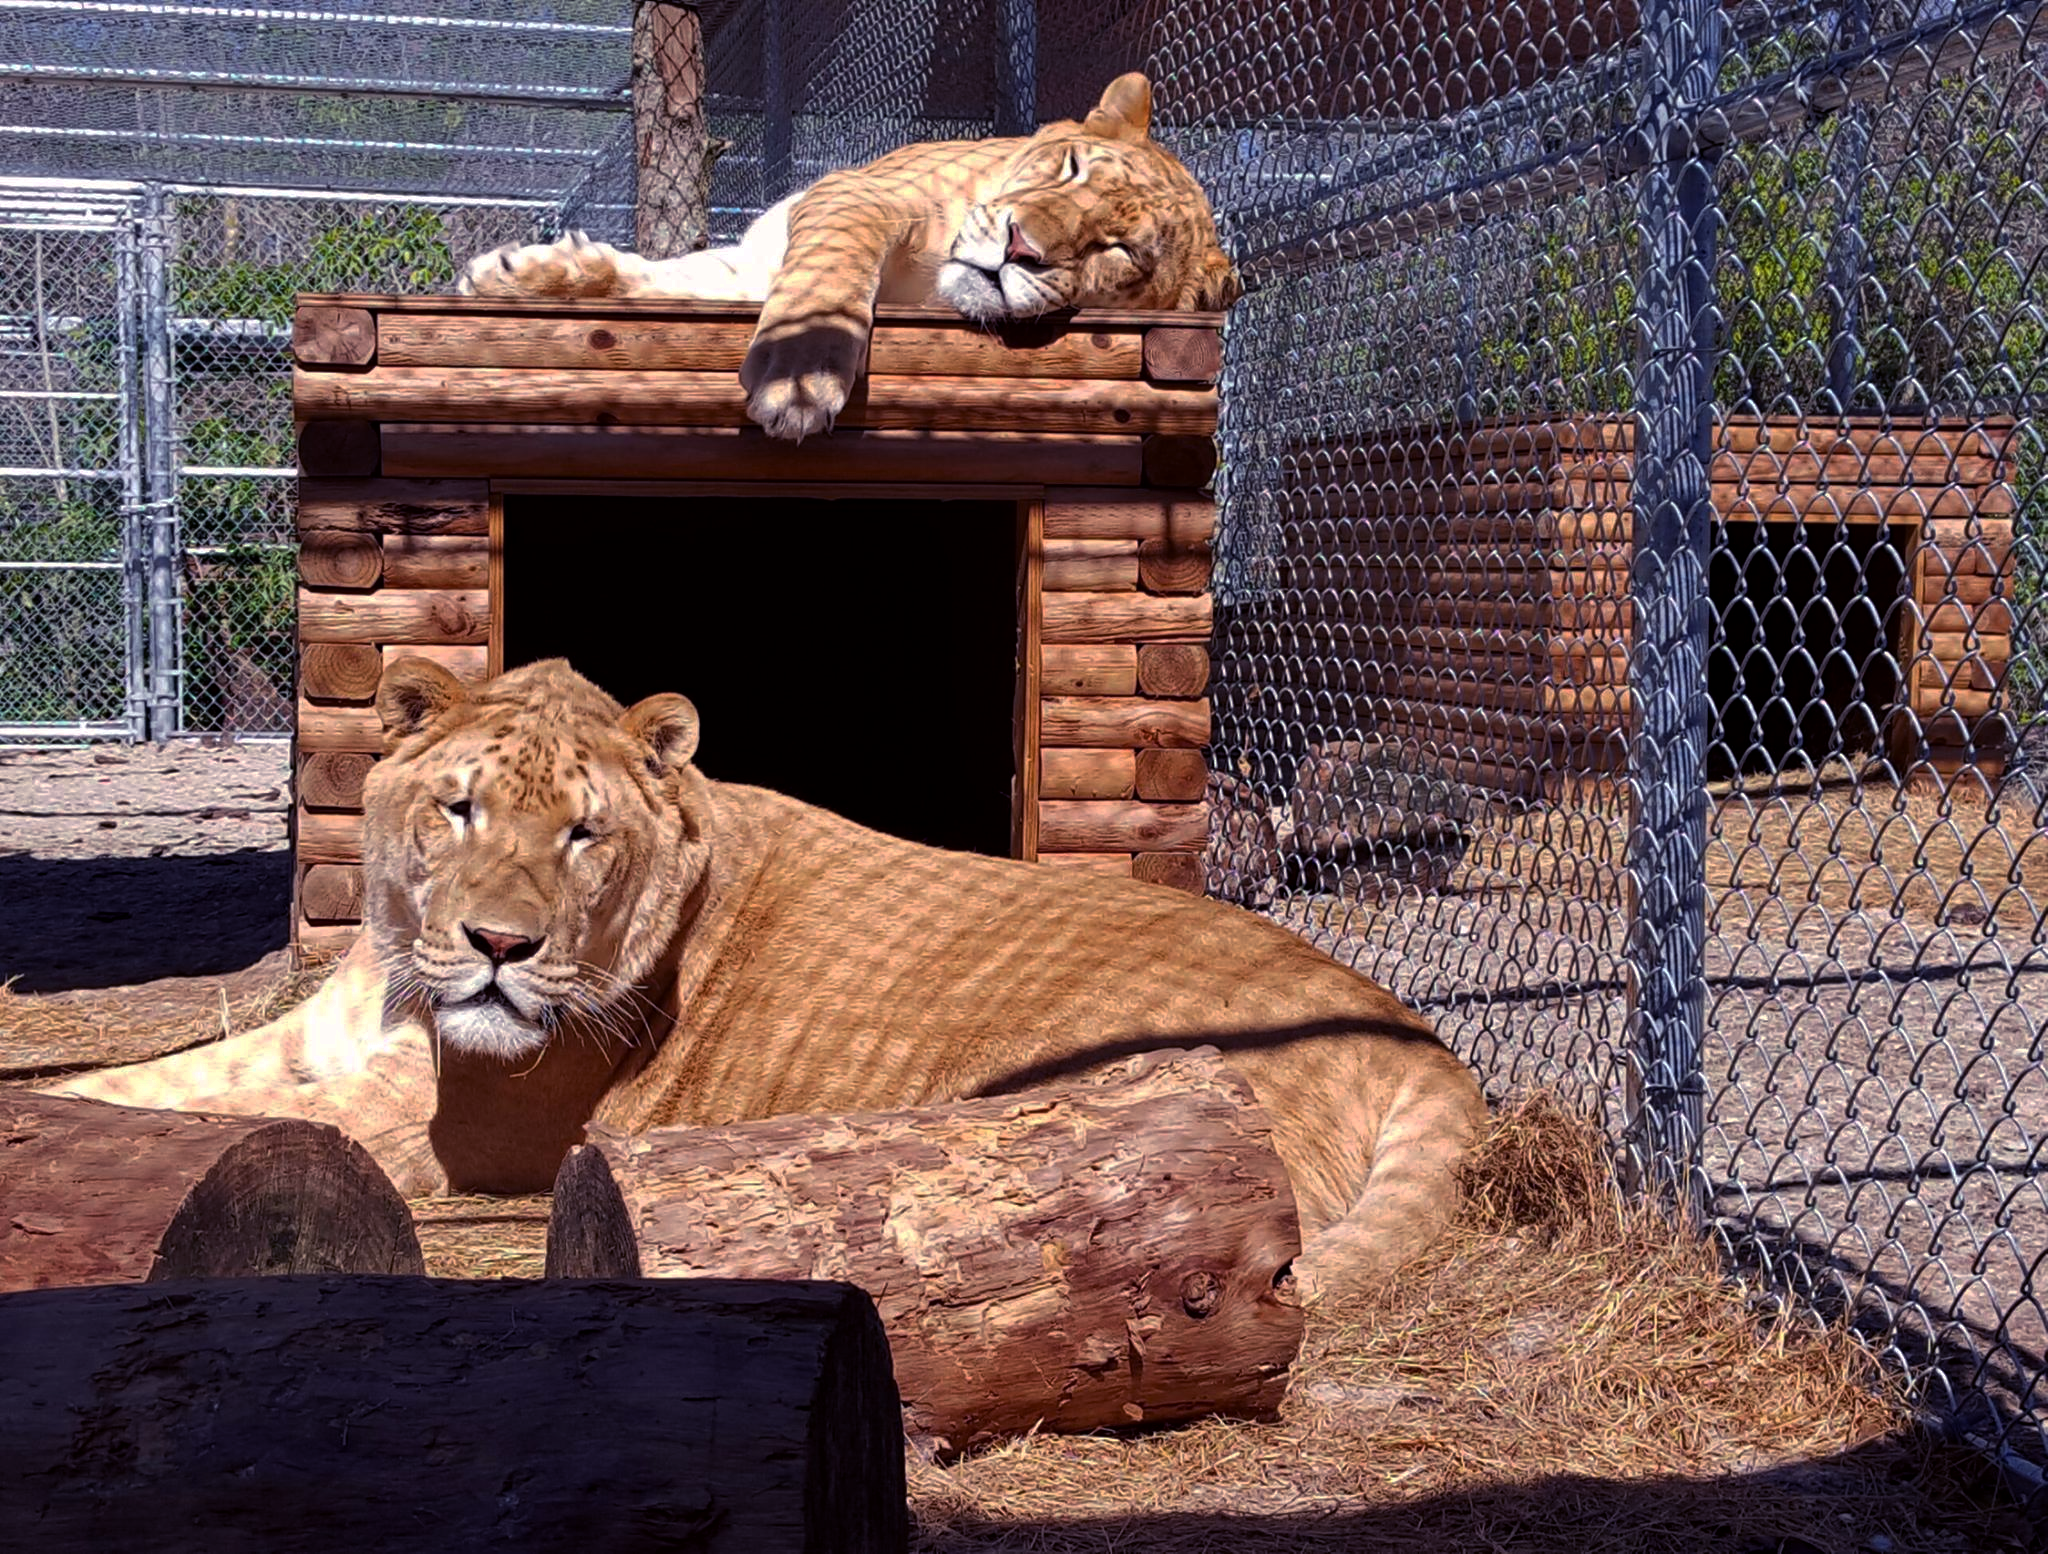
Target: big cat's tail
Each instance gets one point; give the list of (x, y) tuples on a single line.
[(1410, 1196)]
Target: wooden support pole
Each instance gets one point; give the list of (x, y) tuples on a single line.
[(290, 1415), (99, 1194), (673, 148), (1092, 1256)]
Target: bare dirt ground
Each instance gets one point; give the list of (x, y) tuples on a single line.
[(144, 893)]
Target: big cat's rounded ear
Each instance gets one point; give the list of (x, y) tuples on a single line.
[(412, 694), (1125, 112), (667, 725)]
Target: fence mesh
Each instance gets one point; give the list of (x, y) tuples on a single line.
[(1628, 597), (1629, 578), (236, 261), (68, 593)]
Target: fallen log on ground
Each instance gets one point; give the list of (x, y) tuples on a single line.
[(1071, 1259), (98, 1194), (306, 1414)]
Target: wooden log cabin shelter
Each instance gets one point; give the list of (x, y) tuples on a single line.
[(975, 614)]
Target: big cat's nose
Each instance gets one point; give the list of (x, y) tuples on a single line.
[(501, 948), (1021, 247)]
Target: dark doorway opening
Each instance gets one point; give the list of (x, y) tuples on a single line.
[(1804, 667), (858, 655)]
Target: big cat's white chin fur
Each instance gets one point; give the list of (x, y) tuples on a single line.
[(973, 291), (1014, 291), (489, 1027)]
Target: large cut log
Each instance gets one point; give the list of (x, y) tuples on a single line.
[(312, 1414), (1179, 518), (1123, 722), (1072, 1259), (958, 349), (734, 453), (1120, 825), (396, 615), (1088, 670), (1125, 617), (570, 396), (99, 1194)]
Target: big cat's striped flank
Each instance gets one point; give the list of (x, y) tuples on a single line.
[(677, 950)]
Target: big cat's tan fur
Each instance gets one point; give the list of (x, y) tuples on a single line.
[(1092, 213), (718, 953)]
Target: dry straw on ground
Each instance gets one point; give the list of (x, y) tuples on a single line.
[(1564, 1375), (43, 1034)]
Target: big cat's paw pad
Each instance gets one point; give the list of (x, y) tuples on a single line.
[(799, 379)]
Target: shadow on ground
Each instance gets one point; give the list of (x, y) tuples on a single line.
[(76, 923), (1896, 1493)]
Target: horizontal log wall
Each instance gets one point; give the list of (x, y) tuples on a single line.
[(387, 568), (1123, 677), (618, 390), (411, 407), (1468, 592)]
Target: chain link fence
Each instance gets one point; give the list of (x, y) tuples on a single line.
[(1629, 579), (70, 591), (1629, 628)]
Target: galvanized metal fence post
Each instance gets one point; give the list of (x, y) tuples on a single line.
[(134, 490), (1848, 165), (160, 467), (1676, 323)]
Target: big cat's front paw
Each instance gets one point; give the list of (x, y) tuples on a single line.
[(798, 377), (572, 267)]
